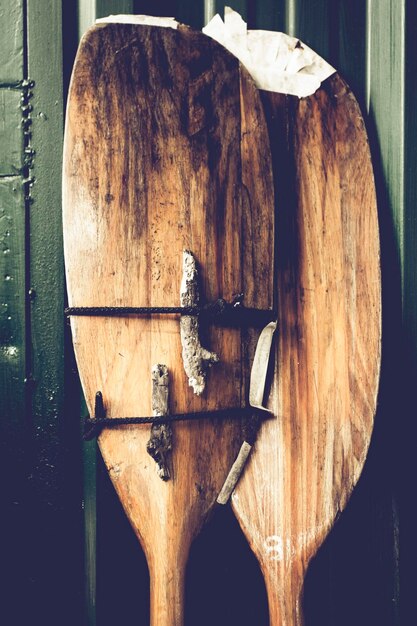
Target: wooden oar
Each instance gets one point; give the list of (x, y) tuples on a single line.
[(166, 151), (307, 460)]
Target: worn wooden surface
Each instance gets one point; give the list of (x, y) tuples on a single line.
[(166, 149), (307, 460)]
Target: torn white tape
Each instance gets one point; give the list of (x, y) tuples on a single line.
[(147, 20), (276, 61)]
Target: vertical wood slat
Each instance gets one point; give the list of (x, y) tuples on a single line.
[(385, 100), (12, 391), (266, 14), (12, 301), (408, 515), (54, 535), (310, 20), (237, 5), (349, 52), (88, 12), (209, 10), (186, 12), (391, 101), (90, 527), (12, 312), (11, 42), (46, 277), (386, 66), (11, 136)]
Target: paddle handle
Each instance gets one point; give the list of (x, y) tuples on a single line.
[(285, 596), (167, 581)]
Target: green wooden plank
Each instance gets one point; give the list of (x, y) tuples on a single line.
[(267, 14), (90, 10), (86, 15), (410, 187), (46, 257), (111, 7), (11, 41), (12, 298), (241, 6), (11, 135), (90, 527), (13, 468), (350, 56), (310, 20), (385, 100), (55, 557), (12, 335), (209, 10), (190, 13), (409, 428)]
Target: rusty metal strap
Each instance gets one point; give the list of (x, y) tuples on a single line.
[(219, 311), (94, 425)]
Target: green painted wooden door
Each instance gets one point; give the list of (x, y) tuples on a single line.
[(68, 554)]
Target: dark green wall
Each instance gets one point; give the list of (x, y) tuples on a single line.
[(68, 555)]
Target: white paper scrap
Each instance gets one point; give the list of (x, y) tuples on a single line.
[(276, 61), (147, 20)]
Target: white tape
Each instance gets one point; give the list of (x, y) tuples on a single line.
[(276, 61), (147, 20)]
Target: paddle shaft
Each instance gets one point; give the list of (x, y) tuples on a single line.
[(167, 578)]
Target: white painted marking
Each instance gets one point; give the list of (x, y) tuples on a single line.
[(274, 548)]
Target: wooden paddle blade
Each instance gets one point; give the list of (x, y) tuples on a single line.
[(307, 460), (166, 150)]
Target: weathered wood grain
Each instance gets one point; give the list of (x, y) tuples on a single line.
[(307, 460), (166, 149)]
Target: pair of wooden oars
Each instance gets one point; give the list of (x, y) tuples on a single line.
[(167, 148)]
